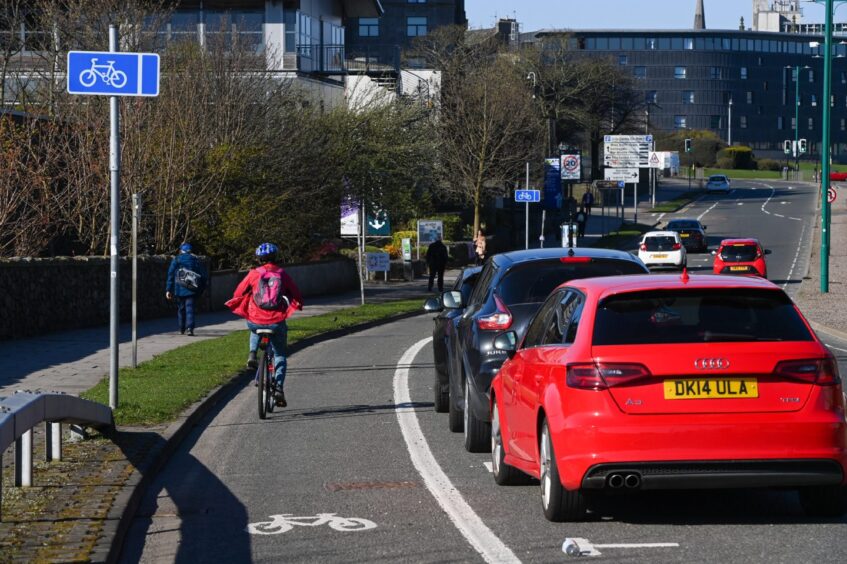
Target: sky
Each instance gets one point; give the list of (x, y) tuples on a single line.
[(620, 14)]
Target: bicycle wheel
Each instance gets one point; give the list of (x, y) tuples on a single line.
[(118, 79), (87, 78), (263, 386), (270, 397)]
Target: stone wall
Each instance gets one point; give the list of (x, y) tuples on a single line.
[(47, 295)]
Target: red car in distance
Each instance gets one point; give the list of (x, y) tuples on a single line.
[(741, 256), (658, 382)]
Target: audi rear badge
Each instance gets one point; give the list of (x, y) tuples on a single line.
[(711, 364)]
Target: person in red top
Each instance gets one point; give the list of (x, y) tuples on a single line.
[(266, 298)]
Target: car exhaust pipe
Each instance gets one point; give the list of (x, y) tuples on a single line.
[(616, 481), (632, 481)]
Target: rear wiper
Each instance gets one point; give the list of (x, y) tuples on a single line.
[(710, 336)]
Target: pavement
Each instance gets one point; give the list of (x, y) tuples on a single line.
[(80, 493)]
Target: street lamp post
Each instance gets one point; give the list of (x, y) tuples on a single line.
[(826, 149), (729, 124)]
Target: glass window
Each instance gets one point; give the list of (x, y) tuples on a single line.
[(686, 316), (639, 72), (614, 43), (680, 122), (591, 44), (811, 75), (623, 60), (664, 43), (416, 26), (639, 43), (843, 77), (743, 73), (688, 97), (793, 123), (699, 43), (689, 43), (780, 122), (627, 43), (602, 43), (843, 124), (680, 72), (368, 27), (749, 97), (811, 124), (676, 43), (726, 45), (742, 120), (651, 97), (715, 73), (813, 99), (735, 44), (710, 44), (715, 122), (758, 46), (652, 43)]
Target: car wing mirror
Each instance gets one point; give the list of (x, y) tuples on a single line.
[(433, 305), (704, 228), (714, 252), (767, 251), (452, 300), (507, 342)]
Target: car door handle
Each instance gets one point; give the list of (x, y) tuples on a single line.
[(538, 378)]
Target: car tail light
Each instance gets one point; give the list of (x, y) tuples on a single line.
[(643, 247), (573, 260), (499, 320), (677, 246), (600, 376), (823, 372)]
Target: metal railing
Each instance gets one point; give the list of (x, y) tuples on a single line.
[(22, 411)]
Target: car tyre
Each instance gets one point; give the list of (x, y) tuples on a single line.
[(455, 417), (504, 474), (477, 433), (441, 396), (559, 504), (824, 501)]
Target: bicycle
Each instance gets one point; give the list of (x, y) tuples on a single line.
[(110, 75), (266, 383)]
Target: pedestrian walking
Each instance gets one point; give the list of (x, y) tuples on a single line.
[(266, 297), (588, 201), (581, 218), (187, 278), (436, 262), (480, 246)]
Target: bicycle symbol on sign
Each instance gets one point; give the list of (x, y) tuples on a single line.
[(283, 523), (107, 72)]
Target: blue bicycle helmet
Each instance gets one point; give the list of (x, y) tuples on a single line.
[(185, 248), (266, 251)]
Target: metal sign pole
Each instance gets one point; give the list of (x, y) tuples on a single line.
[(635, 204), (114, 246), (361, 245), (136, 209), (526, 227)]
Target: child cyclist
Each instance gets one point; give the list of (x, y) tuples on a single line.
[(266, 298)]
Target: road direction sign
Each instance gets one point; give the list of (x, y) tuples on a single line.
[(113, 74), (627, 151), (626, 175), (831, 195), (528, 196)]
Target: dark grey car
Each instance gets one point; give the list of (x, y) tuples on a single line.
[(510, 289)]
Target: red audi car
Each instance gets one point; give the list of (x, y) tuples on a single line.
[(741, 256), (669, 382)]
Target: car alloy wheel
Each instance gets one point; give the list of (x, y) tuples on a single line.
[(496, 441), (546, 459)]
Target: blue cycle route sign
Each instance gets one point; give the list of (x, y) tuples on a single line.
[(113, 74), (528, 196)]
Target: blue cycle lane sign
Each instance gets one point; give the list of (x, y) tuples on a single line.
[(113, 74), (528, 196)]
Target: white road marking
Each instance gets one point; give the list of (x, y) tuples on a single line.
[(795, 219), (779, 215), (796, 256), (480, 537), (836, 348), (784, 203), (489, 466), (740, 203), (773, 193), (699, 217), (283, 523), (583, 547)]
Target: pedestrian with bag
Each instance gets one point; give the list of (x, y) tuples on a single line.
[(436, 262), (266, 297), (187, 278), (581, 218), (588, 201)]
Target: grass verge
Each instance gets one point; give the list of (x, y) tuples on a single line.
[(619, 239), (162, 388), (671, 206)]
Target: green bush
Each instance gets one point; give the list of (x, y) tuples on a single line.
[(725, 163), (398, 236), (770, 164), (740, 157)]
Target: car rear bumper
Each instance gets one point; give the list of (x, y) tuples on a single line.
[(714, 474), (586, 442)]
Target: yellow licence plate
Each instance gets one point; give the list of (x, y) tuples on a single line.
[(660, 256), (739, 268), (684, 235), (711, 388)]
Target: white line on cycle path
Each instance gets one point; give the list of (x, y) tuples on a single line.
[(480, 537)]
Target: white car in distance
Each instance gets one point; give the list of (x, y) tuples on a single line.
[(662, 249), (718, 183)]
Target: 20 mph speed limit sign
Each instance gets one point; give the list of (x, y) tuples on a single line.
[(831, 195)]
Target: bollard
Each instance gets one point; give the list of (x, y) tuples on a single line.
[(23, 460), (53, 435)]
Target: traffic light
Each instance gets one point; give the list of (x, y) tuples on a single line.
[(688, 145), (788, 146), (803, 146)]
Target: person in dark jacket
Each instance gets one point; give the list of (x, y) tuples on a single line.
[(436, 262), (187, 279)]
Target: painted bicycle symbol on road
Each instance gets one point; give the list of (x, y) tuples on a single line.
[(107, 72), (283, 523)]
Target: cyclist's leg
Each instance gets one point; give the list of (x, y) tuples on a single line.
[(180, 313), (254, 344), (189, 314), (279, 340)]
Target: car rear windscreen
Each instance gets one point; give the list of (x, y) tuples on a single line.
[(717, 179), (698, 316), (659, 243), (674, 225), (738, 253), (532, 282)]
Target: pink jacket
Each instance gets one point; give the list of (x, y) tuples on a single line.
[(242, 303)]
